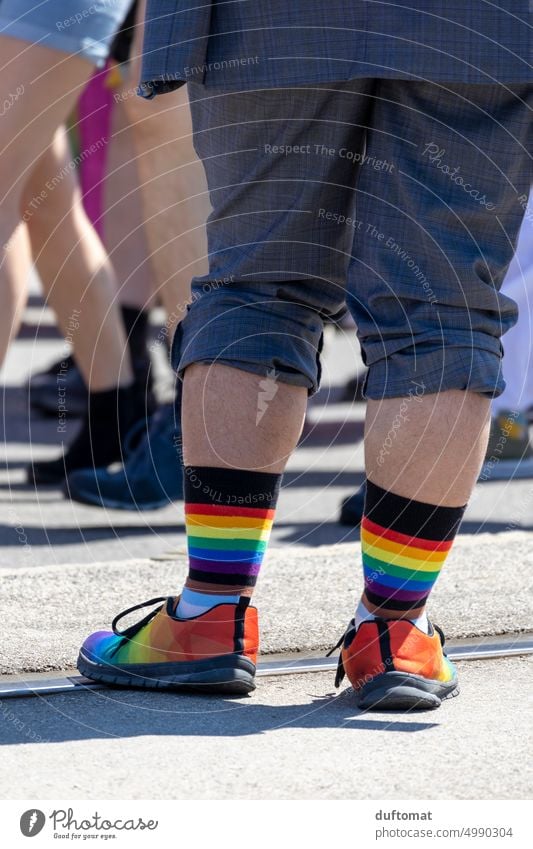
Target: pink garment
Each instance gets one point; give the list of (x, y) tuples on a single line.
[(95, 109)]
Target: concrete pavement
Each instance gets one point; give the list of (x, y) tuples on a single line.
[(295, 738), (46, 612)]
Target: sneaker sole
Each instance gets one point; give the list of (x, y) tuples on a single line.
[(229, 674), (405, 691)]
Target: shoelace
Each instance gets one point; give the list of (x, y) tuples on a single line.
[(128, 633), (340, 673)]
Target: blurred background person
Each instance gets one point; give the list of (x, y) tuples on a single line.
[(175, 206), (49, 52)]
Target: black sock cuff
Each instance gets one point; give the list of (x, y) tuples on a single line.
[(413, 518), (134, 318), (230, 487), (135, 323)]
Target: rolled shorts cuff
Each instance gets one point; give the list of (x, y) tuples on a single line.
[(474, 368), (254, 330)]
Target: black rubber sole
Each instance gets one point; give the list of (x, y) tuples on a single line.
[(405, 691), (229, 674)]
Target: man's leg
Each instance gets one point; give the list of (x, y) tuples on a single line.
[(430, 462), (172, 195), (219, 401), (440, 210), (249, 350), (79, 283)]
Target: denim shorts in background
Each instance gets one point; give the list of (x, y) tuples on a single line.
[(84, 28)]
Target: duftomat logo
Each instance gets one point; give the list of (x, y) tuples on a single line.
[(32, 822)]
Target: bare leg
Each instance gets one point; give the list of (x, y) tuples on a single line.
[(49, 83), (124, 231), (14, 275), (437, 452), (220, 428), (174, 191), (75, 270), (434, 456)]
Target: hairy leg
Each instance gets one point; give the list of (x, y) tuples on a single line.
[(437, 447), (220, 427), (426, 448)]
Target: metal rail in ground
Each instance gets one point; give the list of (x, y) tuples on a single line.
[(483, 648)]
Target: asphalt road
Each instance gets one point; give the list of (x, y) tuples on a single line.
[(294, 738)]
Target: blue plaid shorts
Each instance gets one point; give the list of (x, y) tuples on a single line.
[(401, 199)]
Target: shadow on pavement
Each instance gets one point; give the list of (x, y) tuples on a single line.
[(311, 534), (102, 714), (74, 535), (337, 432), (322, 479), (19, 424), (331, 533)]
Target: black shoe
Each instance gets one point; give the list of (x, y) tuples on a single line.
[(152, 474), (62, 383), (99, 441), (353, 391), (352, 508)]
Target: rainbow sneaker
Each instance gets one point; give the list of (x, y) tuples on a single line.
[(393, 665), (214, 652)]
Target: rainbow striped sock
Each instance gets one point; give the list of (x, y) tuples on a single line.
[(404, 545), (228, 515)]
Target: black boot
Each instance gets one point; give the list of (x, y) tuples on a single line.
[(99, 441)]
